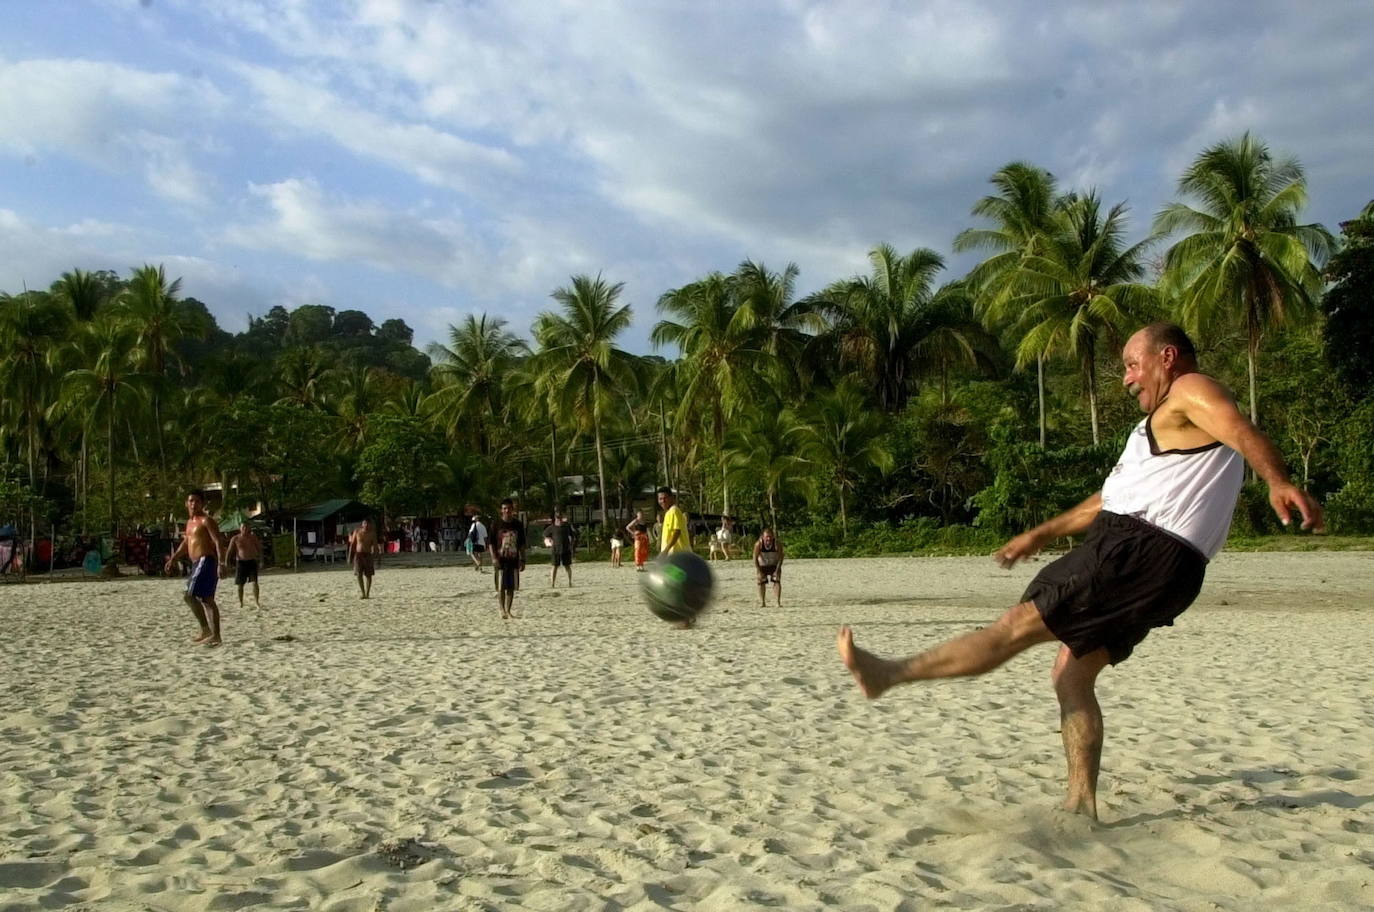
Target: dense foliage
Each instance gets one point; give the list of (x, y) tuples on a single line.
[(887, 411)]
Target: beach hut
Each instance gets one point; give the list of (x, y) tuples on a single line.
[(322, 529)]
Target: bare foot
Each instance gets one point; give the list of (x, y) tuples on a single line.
[(871, 672), (1085, 806), (213, 641), (205, 635)]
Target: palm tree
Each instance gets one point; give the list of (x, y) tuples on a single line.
[(1245, 258), (782, 326), (577, 353), (149, 306), (106, 384), (469, 377), (1022, 213), (769, 448), (723, 364), (82, 291), (406, 400), (1080, 289), (892, 327), (845, 438), (358, 395), (32, 325), (302, 376)]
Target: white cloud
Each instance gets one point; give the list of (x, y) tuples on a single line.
[(303, 220), (114, 117), (437, 157)]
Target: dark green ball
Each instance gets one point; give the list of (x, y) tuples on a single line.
[(677, 586)]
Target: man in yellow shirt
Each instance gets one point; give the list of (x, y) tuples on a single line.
[(674, 524)]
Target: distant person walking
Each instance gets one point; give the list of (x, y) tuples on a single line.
[(476, 542), (559, 536), (204, 546), (722, 538), (363, 547), (245, 550)]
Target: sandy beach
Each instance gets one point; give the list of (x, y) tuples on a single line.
[(415, 752)]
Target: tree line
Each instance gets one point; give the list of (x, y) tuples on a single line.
[(901, 397)]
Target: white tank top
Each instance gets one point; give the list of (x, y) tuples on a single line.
[(1191, 494)]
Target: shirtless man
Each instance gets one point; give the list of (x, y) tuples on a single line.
[(204, 546), (362, 546), (1162, 514), (245, 550)]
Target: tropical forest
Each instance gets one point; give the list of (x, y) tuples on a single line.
[(901, 409)]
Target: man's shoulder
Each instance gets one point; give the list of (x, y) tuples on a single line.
[(1194, 384)]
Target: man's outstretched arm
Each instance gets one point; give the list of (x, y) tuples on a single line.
[(1208, 405), (1070, 522)]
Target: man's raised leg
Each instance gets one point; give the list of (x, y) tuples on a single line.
[(1080, 724), (1019, 628)]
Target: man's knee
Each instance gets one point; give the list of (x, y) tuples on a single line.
[(1022, 626), (1075, 677)]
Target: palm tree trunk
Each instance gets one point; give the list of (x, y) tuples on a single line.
[(33, 484), (1250, 357), (553, 464), (724, 487), (85, 481), (772, 512), (844, 517), (1090, 375), (600, 457), (109, 427), (1040, 389), (663, 444)]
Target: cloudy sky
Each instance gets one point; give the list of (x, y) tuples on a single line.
[(430, 158)]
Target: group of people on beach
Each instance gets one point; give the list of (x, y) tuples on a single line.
[(206, 549), (1161, 515)]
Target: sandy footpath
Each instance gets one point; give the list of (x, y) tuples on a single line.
[(414, 752)]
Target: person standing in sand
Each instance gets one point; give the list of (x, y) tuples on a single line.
[(245, 550), (204, 546), (768, 556), (508, 556), (559, 536), (638, 530), (362, 548), (674, 534), (1162, 514)]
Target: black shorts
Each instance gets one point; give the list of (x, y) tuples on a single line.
[(509, 571), (562, 557), (246, 572), (1126, 578), (769, 574)]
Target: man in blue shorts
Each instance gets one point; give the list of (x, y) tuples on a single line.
[(204, 546)]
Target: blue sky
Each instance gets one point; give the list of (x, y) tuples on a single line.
[(431, 158)]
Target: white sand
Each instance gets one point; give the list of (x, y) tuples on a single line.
[(586, 756)]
